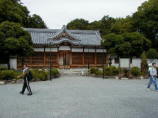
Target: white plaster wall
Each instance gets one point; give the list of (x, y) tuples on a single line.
[(46, 49), (152, 60), (89, 50), (52, 49), (114, 64), (13, 62), (101, 50), (136, 62), (124, 62), (39, 49), (64, 48), (77, 49)]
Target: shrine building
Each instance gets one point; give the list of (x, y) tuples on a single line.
[(63, 48)]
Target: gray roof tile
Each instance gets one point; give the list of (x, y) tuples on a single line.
[(83, 37)]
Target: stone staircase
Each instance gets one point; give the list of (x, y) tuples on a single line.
[(78, 72)]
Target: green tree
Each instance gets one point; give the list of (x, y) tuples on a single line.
[(122, 25), (35, 21), (111, 41), (152, 53), (144, 64), (14, 11), (94, 25), (127, 44), (145, 20), (106, 24), (138, 43), (14, 40), (80, 24)]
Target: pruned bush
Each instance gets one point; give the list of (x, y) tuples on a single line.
[(9, 74), (39, 75), (135, 71), (111, 71), (2, 67), (55, 72), (93, 70), (126, 72), (96, 71), (99, 72), (43, 75)]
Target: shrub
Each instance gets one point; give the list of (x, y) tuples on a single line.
[(144, 64), (111, 71), (135, 71), (2, 67), (8, 74), (93, 70), (126, 72), (99, 72), (55, 72), (96, 71), (39, 75), (152, 53)]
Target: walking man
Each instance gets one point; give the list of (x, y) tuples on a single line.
[(153, 76), (25, 76)]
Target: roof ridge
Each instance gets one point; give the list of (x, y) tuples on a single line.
[(43, 29)]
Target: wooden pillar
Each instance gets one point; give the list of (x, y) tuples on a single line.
[(58, 56), (83, 56), (70, 57), (31, 61), (95, 57), (44, 57)]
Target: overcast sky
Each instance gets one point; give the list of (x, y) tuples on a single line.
[(57, 13)]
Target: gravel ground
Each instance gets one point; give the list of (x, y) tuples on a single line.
[(80, 97)]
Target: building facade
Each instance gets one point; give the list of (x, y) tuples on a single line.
[(63, 48)]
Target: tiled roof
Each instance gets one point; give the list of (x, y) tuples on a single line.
[(82, 37)]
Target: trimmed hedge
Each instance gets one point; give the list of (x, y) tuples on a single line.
[(9, 74), (55, 72), (39, 75), (114, 71), (135, 71), (95, 71), (111, 71), (3, 67), (43, 75)]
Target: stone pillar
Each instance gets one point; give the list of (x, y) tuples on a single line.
[(13, 62)]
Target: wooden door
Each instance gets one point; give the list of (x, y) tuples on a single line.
[(64, 59)]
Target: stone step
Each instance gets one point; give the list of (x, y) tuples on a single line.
[(74, 71)]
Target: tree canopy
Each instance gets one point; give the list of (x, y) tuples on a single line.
[(139, 31), (14, 40), (146, 20), (14, 11), (127, 44), (80, 24)]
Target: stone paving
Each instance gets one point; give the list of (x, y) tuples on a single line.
[(80, 97)]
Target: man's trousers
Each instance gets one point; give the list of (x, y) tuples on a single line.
[(26, 85)]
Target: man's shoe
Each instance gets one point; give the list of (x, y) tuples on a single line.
[(29, 94), (21, 93)]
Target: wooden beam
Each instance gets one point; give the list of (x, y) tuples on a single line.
[(83, 56), (44, 57), (95, 57)]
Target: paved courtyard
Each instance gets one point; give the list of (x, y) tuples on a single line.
[(80, 97)]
